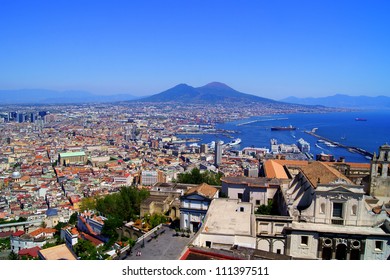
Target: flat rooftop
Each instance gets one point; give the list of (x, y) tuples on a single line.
[(229, 216)]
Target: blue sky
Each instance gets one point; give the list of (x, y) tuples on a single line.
[(268, 48)]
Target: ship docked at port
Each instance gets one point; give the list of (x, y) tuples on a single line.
[(277, 128)]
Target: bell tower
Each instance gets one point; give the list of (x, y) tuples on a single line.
[(380, 173)]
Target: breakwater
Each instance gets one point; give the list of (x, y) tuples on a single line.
[(352, 149)]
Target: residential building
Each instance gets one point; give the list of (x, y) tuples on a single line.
[(149, 177), (21, 240), (194, 205), (257, 191)]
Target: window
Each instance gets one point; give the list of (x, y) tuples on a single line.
[(239, 196), (337, 210), (305, 240), (378, 245), (257, 202), (208, 244), (278, 251), (322, 208), (354, 210)]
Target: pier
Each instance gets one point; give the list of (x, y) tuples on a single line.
[(264, 120), (337, 144)]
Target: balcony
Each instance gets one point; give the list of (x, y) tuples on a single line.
[(337, 221)]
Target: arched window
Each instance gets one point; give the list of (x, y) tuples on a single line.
[(354, 209), (322, 208)]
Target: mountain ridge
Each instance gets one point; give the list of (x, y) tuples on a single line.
[(214, 92), (343, 101), (46, 96)]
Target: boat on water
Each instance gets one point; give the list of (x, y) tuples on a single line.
[(276, 128), (196, 145), (360, 119), (235, 142), (329, 144)]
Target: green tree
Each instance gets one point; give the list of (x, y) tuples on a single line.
[(5, 244), (88, 203), (124, 205), (155, 219), (13, 256), (110, 226), (73, 218), (196, 177), (265, 209), (85, 250)]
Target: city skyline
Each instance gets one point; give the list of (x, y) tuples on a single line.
[(269, 49)]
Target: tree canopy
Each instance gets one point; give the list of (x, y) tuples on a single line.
[(85, 250), (124, 205), (196, 177)]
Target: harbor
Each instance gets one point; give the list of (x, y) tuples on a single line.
[(262, 120), (337, 144)]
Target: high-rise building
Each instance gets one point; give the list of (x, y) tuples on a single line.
[(20, 118), (218, 153), (32, 117), (204, 149), (12, 116)]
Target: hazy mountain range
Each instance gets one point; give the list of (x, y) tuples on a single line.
[(344, 101), (211, 93), (44, 96)]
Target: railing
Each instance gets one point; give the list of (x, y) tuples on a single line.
[(337, 222)]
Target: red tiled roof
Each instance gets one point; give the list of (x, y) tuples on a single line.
[(43, 230), (18, 233), (88, 237), (33, 252), (5, 234)]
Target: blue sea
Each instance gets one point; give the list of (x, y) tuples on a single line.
[(339, 127)]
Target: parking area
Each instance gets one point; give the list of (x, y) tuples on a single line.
[(164, 245)]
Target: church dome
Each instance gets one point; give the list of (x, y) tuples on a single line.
[(16, 175)]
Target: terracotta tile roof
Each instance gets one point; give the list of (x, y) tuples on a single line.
[(18, 233), (354, 165), (3, 215), (74, 231), (204, 190), (320, 173), (32, 252), (88, 237), (273, 169), (42, 230), (89, 228), (5, 234), (297, 163)]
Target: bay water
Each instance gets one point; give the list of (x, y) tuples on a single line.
[(368, 134)]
